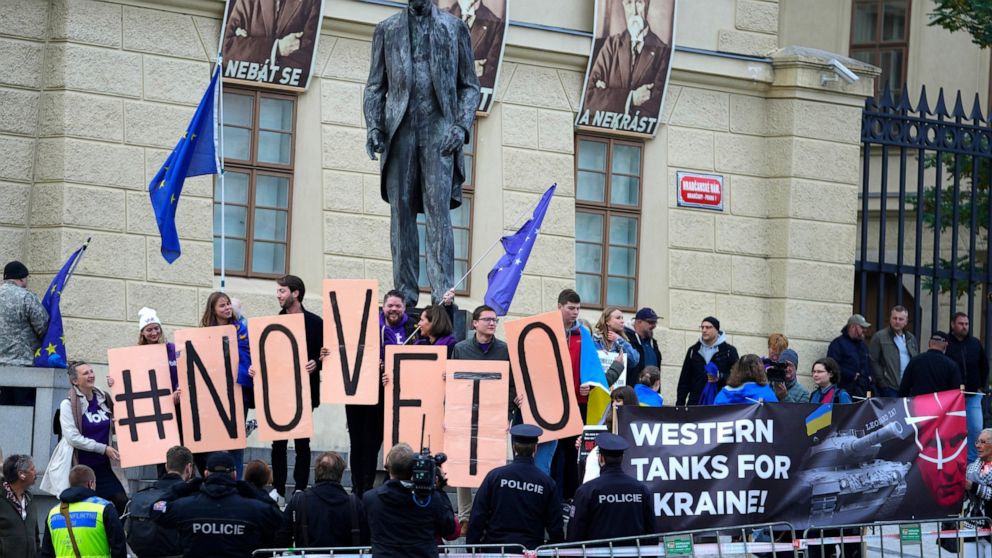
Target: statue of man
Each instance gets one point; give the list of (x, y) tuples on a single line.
[(420, 102)]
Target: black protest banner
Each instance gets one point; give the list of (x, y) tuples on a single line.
[(143, 410), (211, 405), (351, 332), (884, 459), (282, 388)]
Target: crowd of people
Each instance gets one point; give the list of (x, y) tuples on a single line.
[(520, 503)]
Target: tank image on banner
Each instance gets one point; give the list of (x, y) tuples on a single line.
[(271, 42), (628, 70), (487, 22)]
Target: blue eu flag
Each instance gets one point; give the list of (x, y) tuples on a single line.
[(195, 154), (52, 351), (505, 275)]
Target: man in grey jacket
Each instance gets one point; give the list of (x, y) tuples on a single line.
[(890, 350), (482, 345)]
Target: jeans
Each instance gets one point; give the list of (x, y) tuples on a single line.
[(973, 408), (545, 453)]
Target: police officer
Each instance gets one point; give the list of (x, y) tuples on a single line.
[(83, 524), (217, 520), (614, 504), (517, 503)]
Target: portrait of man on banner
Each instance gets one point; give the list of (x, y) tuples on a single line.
[(487, 21), (271, 41), (629, 66)]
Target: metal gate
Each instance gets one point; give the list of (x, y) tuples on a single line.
[(924, 212)]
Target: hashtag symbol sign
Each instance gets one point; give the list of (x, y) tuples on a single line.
[(129, 396)]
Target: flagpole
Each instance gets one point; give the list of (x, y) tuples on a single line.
[(75, 263), (220, 165), (515, 225)]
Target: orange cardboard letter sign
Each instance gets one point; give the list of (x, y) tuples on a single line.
[(351, 332), (415, 396), (476, 397), (282, 388), (542, 371), (211, 406), (143, 409)]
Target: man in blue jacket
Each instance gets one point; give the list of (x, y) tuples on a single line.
[(851, 353)]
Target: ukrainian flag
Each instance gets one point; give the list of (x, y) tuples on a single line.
[(819, 419), (591, 374)]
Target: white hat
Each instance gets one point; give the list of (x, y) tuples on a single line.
[(147, 316)]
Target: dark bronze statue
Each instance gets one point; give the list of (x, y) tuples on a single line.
[(420, 102)]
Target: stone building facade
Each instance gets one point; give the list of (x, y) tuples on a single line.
[(94, 94)]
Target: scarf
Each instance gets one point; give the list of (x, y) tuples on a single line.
[(21, 507)]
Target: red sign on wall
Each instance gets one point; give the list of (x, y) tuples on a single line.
[(699, 190)]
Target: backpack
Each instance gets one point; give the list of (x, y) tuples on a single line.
[(144, 536)]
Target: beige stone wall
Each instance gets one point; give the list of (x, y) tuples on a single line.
[(102, 90)]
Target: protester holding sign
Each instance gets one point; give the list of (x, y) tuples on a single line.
[(978, 487), (150, 333), (86, 417), (220, 311), (435, 328), (365, 422), (290, 294)]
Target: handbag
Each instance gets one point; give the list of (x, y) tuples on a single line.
[(57, 474)]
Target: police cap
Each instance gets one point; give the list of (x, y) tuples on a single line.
[(611, 443), (526, 433), (220, 462)]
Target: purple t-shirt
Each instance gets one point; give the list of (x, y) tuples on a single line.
[(96, 426)]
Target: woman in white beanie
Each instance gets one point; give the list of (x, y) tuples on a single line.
[(150, 333)]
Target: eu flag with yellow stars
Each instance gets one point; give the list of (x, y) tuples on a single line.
[(195, 154), (52, 351)]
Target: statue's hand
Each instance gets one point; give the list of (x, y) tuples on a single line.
[(375, 143), (454, 140)]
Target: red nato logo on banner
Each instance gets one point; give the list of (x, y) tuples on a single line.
[(700, 190)]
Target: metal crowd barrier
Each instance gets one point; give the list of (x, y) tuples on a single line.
[(882, 539), (447, 551), (722, 541)]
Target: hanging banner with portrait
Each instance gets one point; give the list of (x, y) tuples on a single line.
[(271, 42), (628, 70), (487, 22)]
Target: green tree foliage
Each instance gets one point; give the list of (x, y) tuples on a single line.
[(973, 16)]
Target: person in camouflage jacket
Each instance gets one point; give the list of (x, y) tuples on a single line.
[(23, 320)]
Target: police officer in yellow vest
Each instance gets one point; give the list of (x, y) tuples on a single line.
[(83, 525)]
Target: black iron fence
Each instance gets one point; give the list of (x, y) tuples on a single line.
[(925, 211)]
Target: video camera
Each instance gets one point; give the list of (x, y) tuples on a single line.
[(424, 475), (776, 371)]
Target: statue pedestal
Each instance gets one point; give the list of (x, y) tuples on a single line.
[(28, 429)]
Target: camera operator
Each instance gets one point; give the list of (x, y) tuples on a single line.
[(516, 503), (786, 387), (404, 516)]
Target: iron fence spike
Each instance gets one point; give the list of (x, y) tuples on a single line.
[(941, 108), (976, 110), (959, 107), (923, 106)]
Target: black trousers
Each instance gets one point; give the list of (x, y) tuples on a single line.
[(365, 430), (301, 469)]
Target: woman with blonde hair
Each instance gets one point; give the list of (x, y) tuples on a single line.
[(608, 336)]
